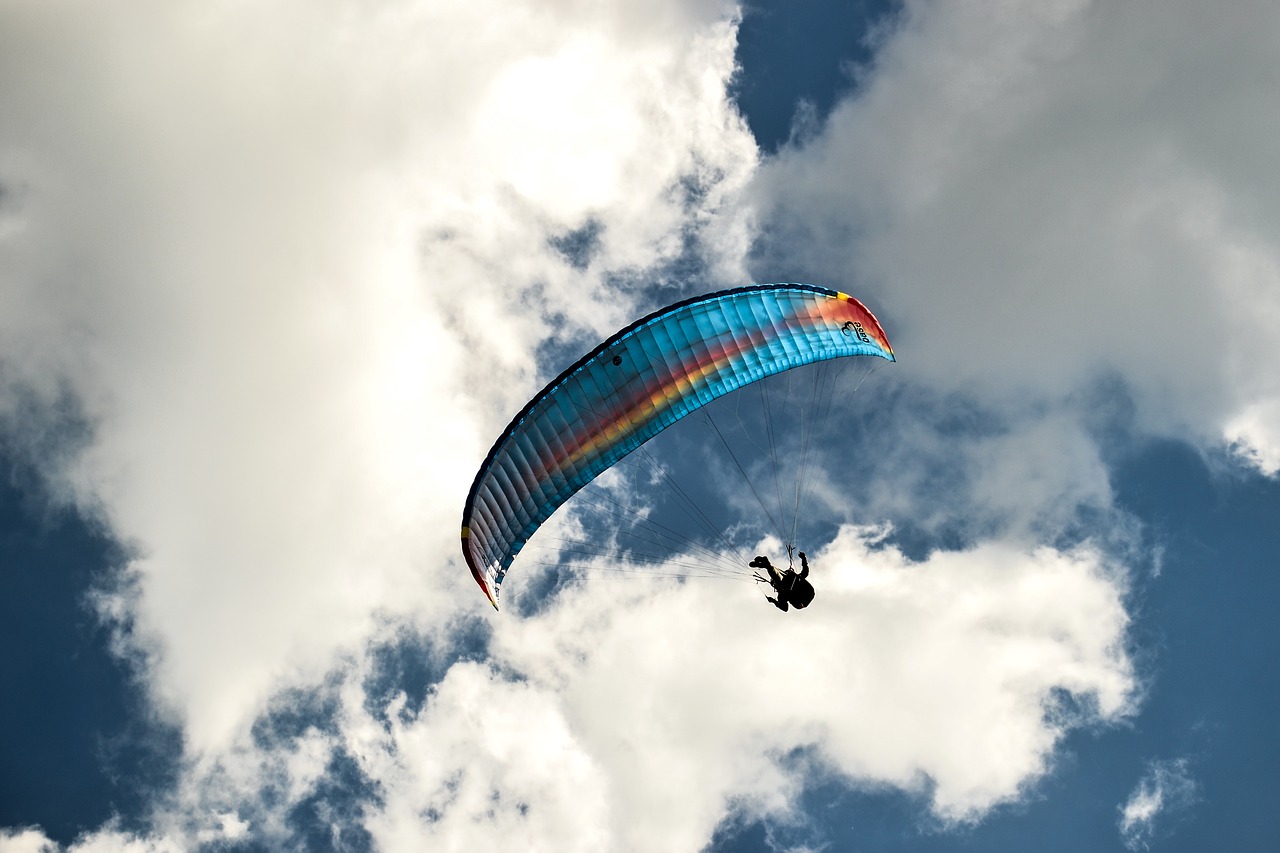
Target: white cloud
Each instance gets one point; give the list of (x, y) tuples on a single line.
[(641, 715), (1254, 434), (1036, 194), (24, 841), (278, 255), (1166, 787), (1022, 471), (504, 763), (688, 698), (105, 840)]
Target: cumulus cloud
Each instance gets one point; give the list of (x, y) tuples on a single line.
[(106, 840), (1254, 434), (1166, 789), (24, 841), (1037, 195), (643, 715), (994, 630), (277, 255)]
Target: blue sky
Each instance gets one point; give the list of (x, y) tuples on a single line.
[(272, 280)]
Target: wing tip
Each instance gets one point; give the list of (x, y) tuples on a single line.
[(475, 571)]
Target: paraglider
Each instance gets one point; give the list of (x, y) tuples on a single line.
[(637, 383), (791, 587)]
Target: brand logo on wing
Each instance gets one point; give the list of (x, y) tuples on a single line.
[(853, 327)]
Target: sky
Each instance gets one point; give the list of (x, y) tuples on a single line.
[(274, 277)]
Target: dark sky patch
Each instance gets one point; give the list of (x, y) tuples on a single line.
[(330, 818), (804, 51), (80, 743), (296, 711), (413, 664), (580, 245)]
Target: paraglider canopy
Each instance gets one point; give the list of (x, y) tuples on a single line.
[(632, 386)]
